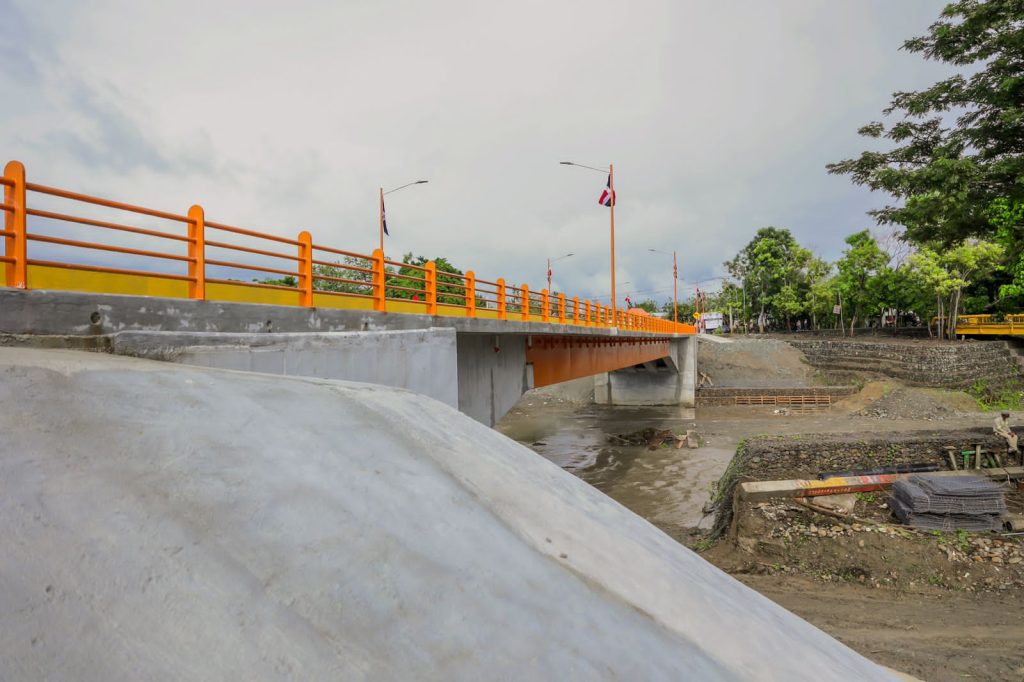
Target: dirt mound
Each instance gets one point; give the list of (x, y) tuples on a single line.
[(926, 404), (755, 363)]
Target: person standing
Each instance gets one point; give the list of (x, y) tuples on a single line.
[(1002, 429)]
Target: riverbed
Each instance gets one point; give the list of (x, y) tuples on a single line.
[(667, 486)]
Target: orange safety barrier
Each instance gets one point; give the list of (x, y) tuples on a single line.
[(199, 265)]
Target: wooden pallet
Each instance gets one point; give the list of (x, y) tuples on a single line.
[(795, 400)]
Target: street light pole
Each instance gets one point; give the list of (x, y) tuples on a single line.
[(675, 283), (550, 261), (382, 193), (611, 188)]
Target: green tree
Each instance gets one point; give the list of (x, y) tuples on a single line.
[(862, 261), (1007, 217), (944, 172), (771, 261), (648, 305), (948, 273), (357, 272), (968, 260)]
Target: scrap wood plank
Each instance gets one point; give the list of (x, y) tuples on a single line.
[(755, 491)]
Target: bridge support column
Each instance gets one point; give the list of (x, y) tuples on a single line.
[(493, 374), (671, 380)]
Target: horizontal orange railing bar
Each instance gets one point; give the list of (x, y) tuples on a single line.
[(243, 266), (74, 196), (331, 278), (256, 285), (102, 223), (251, 233), (386, 280), (341, 293), (247, 249), (342, 266), (340, 252), (105, 247), (115, 271)]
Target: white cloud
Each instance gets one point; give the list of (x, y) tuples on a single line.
[(288, 116)]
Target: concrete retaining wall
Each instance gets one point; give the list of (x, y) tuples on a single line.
[(423, 361)]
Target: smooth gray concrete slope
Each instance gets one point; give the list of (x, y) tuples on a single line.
[(166, 522), (422, 361)]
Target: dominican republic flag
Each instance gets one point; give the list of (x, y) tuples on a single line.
[(607, 196), (383, 219)]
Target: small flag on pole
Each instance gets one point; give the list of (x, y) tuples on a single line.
[(383, 219), (607, 196)]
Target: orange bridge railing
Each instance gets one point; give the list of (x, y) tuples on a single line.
[(83, 243)]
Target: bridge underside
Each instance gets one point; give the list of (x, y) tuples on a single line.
[(558, 359)]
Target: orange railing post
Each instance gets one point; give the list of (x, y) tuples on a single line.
[(196, 253), (525, 291), (430, 283), (502, 312), (470, 294), (561, 308), (305, 269), (576, 310), (545, 305), (15, 241), (378, 281)]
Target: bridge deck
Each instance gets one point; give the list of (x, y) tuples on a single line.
[(55, 239)]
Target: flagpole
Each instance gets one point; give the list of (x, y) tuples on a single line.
[(675, 288), (382, 220), (611, 186)]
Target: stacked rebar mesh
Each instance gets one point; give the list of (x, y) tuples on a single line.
[(948, 503)]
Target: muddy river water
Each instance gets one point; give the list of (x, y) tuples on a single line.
[(665, 485)]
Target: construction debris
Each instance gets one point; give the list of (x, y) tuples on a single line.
[(652, 438), (948, 503)]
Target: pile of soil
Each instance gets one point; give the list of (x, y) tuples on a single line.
[(924, 404), (755, 362)]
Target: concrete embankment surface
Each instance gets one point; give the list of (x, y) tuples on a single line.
[(165, 523)]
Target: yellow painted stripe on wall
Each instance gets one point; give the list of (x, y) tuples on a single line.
[(64, 279), (243, 294), (342, 302)]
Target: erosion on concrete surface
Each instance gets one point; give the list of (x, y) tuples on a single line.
[(169, 522)]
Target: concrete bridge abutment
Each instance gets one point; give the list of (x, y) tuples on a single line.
[(668, 381)]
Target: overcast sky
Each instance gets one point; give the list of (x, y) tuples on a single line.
[(719, 117)]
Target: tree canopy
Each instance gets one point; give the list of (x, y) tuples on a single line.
[(958, 146)]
